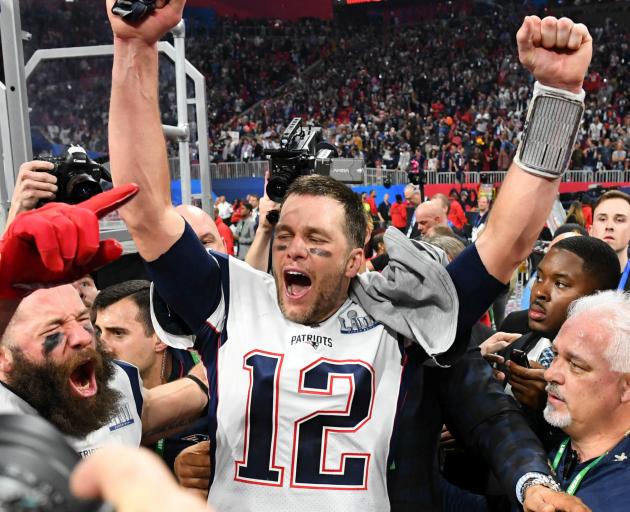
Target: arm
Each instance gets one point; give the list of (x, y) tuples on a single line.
[(558, 53), (131, 480), (258, 255), (489, 416), (170, 407), (136, 142)]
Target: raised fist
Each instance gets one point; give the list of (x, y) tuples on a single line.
[(556, 51)]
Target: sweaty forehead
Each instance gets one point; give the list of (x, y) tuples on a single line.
[(584, 336), (314, 212), (46, 304)]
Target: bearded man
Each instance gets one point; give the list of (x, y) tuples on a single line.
[(51, 365)]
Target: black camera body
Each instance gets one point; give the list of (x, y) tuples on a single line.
[(78, 176), (35, 464), (303, 151)]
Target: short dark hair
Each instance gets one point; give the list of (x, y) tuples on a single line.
[(138, 290), (324, 186), (611, 194), (570, 227), (600, 260)]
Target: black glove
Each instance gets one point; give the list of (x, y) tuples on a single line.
[(133, 10)]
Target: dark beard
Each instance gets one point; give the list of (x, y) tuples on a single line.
[(46, 388)]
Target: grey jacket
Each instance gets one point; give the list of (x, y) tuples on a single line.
[(414, 295)]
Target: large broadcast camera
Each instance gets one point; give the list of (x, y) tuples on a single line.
[(78, 176), (35, 465), (303, 151)]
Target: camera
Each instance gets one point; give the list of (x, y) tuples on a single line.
[(303, 151), (35, 464), (133, 10), (78, 176)]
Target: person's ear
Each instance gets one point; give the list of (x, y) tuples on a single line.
[(6, 360), (159, 345), (625, 388), (355, 260)]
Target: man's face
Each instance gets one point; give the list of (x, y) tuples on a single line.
[(583, 391), (560, 280), (120, 331), (611, 223), (50, 357), (312, 260), (253, 201), (425, 220), (386, 197), (483, 203), (87, 290)]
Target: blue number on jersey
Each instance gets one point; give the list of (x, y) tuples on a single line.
[(310, 432), (261, 425)]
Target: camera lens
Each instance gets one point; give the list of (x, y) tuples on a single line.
[(277, 187), (35, 462), (81, 187)]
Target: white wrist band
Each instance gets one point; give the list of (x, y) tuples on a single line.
[(553, 120)]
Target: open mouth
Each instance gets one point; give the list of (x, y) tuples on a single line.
[(297, 284), (83, 380)]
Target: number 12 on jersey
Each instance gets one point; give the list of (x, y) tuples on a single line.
[(311, 432)]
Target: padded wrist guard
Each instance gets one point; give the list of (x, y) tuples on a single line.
[(553, 120)]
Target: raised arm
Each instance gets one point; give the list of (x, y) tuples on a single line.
[(136, 142), (557, 53)]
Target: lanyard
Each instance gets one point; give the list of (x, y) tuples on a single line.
[(575, 483), (624, 277)]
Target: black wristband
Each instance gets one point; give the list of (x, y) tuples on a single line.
[(199, 383)]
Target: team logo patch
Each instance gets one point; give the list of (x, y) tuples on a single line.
[(313, 340), (350, 322), (122, 419)]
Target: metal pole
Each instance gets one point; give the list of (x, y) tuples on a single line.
[(12, 52), (8, 179), (179, 34)]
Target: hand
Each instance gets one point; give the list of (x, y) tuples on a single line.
[(31, 185), (192, 468), (58, 243), (131, 479), (497, 342), (528, 385), (556, 52), (539, 498), (152, 28), (446, 438)]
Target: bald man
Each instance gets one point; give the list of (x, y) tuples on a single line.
[(429, 215), (203, 226)]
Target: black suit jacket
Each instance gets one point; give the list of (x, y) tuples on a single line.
[(517, 322), (479, 414), (548, 435)]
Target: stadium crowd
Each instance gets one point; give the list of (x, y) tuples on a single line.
[(351, 342), (440, 95)]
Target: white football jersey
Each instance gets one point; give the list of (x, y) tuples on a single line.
[(125, 428), (301, 416)]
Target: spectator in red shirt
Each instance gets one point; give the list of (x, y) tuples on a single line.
[(456, 215), (398, 213)]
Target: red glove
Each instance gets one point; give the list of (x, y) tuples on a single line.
[(58, 243)]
